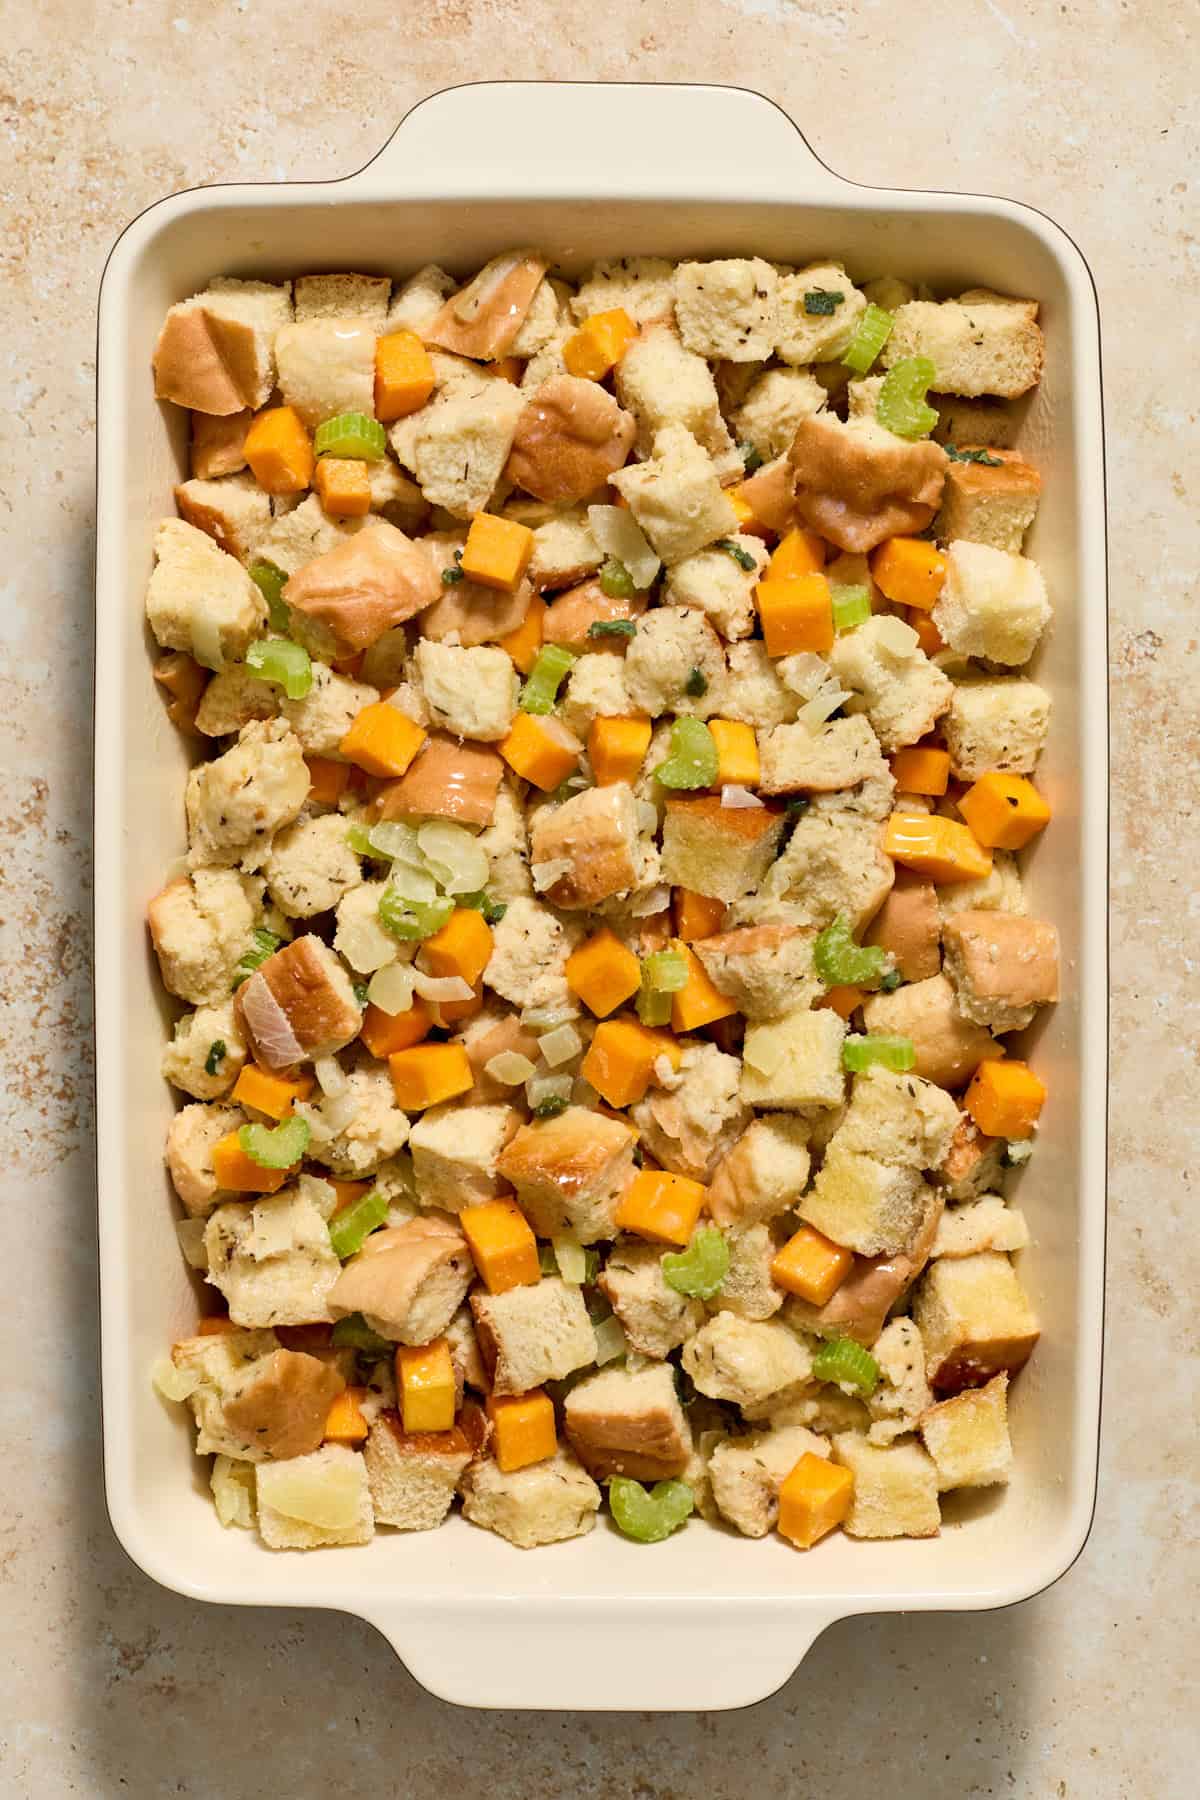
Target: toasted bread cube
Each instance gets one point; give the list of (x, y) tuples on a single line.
[(622, 1423), (530, 948), (345, 599), (856, 484), (408, 1280), (996, 723), (901, 692), (543, 1504), (970, 422), (656, 1318), (903, 1393), (967, 1436), (327, 366), (192, 1139), (990, 505), (200, 599), (413, 1475), (456, 1153), (866, 1205), (218, 444), (666, 386), (747, 1474), (775, 405), (977, 1225), (332, 1482), (862, 1300), (908, 924), (764, 1174), (993, 604), (981, 343), (720, 585), (215, 351), (570, 1172), (446, 780), (310, 866), (721, 852), (895, 1488), (272, 1261), (833, 864), (807, 333), (234, 512), (842, 754), (595, 834), (343, 297), (299, 1004), (255, 1400), (644, 286), (461, 443), (750, 1289), (898, 1119), (804, 1052), (208, 1039), (746, 1361), (1003, 967), (949, 1048), (975, 1320), (472, 693), (973, 1163), (726, 309), (689, 1125), (672, 643), (676, 496), (531, 1335), (767, 970)]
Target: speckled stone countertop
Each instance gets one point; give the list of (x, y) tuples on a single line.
[(111, 1685)]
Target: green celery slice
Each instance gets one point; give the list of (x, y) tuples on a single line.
[(851, 606), (664, 972), (270, 580), (699, 1270), (541, 689), (871, 334), (901, 406), (840, 962), (351, 434), (692, 761), (649, 1517), (349, 1227), (280, 661), (892, 1051), (275, 1147), (845, 1361), (616, 581)]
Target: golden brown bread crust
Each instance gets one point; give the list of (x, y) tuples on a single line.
[(909, 925), (769, 493), (477, 614), (596, 833), (212, 521), (1006, 956), (495, 324), (861, 1304), (568, 619), (648, 1446), (301, 980), (454, 1445), (857, 487), (190, 361), (746, 824), (283, 1407), (376, 579), (570, 438), (218, 443), (507, 1034), (402, 1270), (566, 1155), (973, 480), (446, 780)]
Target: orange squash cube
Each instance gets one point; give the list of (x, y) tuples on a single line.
[(279, 451), (621, 1057), (797, 553), (523, 1430), (347, 1191), (737, 752), (239, 1173), (796, 614), (814, 1498), (1005, 1099), (811, 1265), (428, 1074), (524, 643), (599, 344), (342, 487), (603, 972), (265, 1092), (215, 1325), (345, 1422), (909, 571), (403, 375), (385, 1033), (1004, 811), (661, 1206), (502, 1243), (497, 551), (617, 748), (540, 749), (425, 1386), (462, 947), (940, 848), (699, 1003), (922, 769), (382, 741), (326, 779), (842, 1000), (696, 915), (928, 636)]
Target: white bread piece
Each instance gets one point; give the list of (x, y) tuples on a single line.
[(407, 1281), (237, 802), (343, 297), (809, 1071), (997, 722), (753, 691), (298, 1004), (975, 1320), (803, 337), (1003, 967), (973, 1166), (898, 1119), (199, 600), (949, 1048), (978, 1225), (472, 693), (766, 969), (662, 384), (749, 1289), (723, 852), (873, 1287), (999, 890), (745, 1361), (895, 1488), (396, 497), (456, 1152), (747, 1473), (232, 699), (200, 926), (215, 351), (619, 1422), (335, 1466), (901, 692), (716, 583), (375, 1130), (833, 863), (776, 405), (843, 753), (642, 286), (570, 437), (195, 1040), (655, 1318), (255, 1400), (564, 550), (544, 320), (988, 505), (993, 604), (543, 1504), (570, 1172), (273, 1260), (726, 309), (903, 1394), (465, 1355), (462, 444), (305, 532), (413, 1475), (327, 366), (310, 866), (359, 938), (217, 444), (857, 484), (531, 1335), (968, 1438), (326, 713), (418, 301), (763, 1175), (689, 1126), (596, 689), (592, 841), (530, 948), (234, 511), (908, 926), (975, 423), (676, 497), (981, 343), (871, 1207), (191, 1136)]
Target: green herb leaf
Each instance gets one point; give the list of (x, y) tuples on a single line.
[(216, 1056), (822, 300), (981, 457), (696, 684), (264, 943), (751, 460), (614, 628), (360, 994), (891, 981), (550, 1107), (450, 576), (741, 557)]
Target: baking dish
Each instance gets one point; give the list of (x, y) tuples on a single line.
[(705, 1620)]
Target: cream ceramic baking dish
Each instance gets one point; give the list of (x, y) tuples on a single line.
[(705, 1619)]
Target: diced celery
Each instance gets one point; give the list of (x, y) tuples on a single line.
[(351, 434), (275, 1147), (353, 1333), (612, 628), (412, 920), (692, 761), (664, 973), (649, 1517), (846, 1362), (871, 334), (280, 661), (700, 1269), (541, 689), (892, 1051), (353, 1223), (264, 943), (616, 581), (840, 962), (271, 580), (851, 607), (359, 839), (901, 407)]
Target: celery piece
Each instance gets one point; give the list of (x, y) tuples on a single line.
[(692, 761), (696, 685), (287, 665), (741, 557), (616, 581), (613, 628), (351, 434), (275, 1147), (870, 335), (700, 1269), (664, 973), (359, 839), (217, 1052), (901, 406), (493, 910), (649, 1516), (541, 689), (412, 920), (847, 1363), (353, 1223), (840, 962), (270, 580), (353, 1333), (550, 1107), (264, 943), (818, 301), (547, 1261), (851, 606), (893, 1052), (751, 459)]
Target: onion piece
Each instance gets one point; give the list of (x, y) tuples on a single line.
[(545, 1018), (438, 988), (651, 900), (894, 636), (190, 1233), (269, 1026), (547, 1087), (571, 1258), (393, 838), (391, 988), (338, 1113), (763, 1051), (328, 1497), (738, 798), (647, 816), (232, 1486), (814, 713), (454, 855), (173, 1383), (803, 673), (331, 1076), (560, 1045), (544, 875), (618, 534), (206, 643), (610, 1340), (509, 1068)]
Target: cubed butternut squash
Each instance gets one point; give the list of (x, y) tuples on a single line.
[(796, 614), (928, 636), (425, 1386), (696, 915), (701, 1002), (428, 1074), (347, 1191), (599, 344), (523, 1430), (385, 1033), (403, 375), (497, 552), (345, 1422), (603, 972), (524, 643), (279, 451), (617, 748), (239, 1173), (737, 753), (621, 1057), (797, 553), (502, 1243), (942, 849), (343, 487), (215, 1325), (326, 779), (382, 741), (1005, 1099), (265, 1092), (462, 947), (922, 769), (815, 1497), (811, 1265), (842, 1000), (909, 571), (661, 1206), (1004, 811), (540, 749)]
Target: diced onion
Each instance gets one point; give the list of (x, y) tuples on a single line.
[(738, 798), (339, 1112), (270, 1232), (509, 1068), (391, 988), (413, 881), (364, 943), (647, 816), (454, 856), (318, 1193), (560, 1045), (268, 1024), (206, 643), (650, 900), (618, 534), (610, 1340), (190, 1233), (545, 1018), (824, 702), (547, 1087), (173, 1383), (893, 635), (232, 1486), (327, 1497), (803, 673), (763, 1051), (571, 1258), (546, 874), (439, 988), (331, 1076)]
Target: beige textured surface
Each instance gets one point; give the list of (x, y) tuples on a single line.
[(114, 1687)]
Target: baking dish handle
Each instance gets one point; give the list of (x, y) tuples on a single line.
[(557, 1653), (494, 139)]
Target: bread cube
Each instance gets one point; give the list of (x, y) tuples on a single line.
[(272, 1261), (413, 1475), (301, 534), (973, 1164), (804, 336), (531, 1335), (898, 1119), (564, 551), (747, 1473), (803, 1051), (199, 600), (310, 865), (688, 1126), (767, 970), (662, 384), (327, 366), (861, 1303), (460, 443), (570, 1172), (592, 839), (981, 343), (908, 926), (723, 852), (530, 948), (237, 802), (993, 604), (968, 423), (655, 1318), (254, 1400), (569, 438), (869, 1206), (833, 863), (1003, 967), (753, 691), (749, 1288), (332, 1482), (192, 1136), (763, 1175), (456, 1151), (988, 504), (998, 891), (675, 495), (232, 699), (774, 407), (472, 693), (895, 1488), (660, 665), (194, 1046), (343, 297), (996, 722), (715, 582), (298, 1005), (218, 444), (418, 301), (407, 1281), (233, 511), (948, 1047), (727, 309), (901, 692), (323, 717), (857, 484), (619, 1422), (968, 1439), (975, 1319), (542, 1504), (903, 1393), (642, 286), (215, 351), (200, 926), (978, 1225), (842, 754), (746, 1361)]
